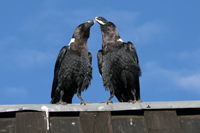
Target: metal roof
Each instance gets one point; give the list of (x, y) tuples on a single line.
[(101, 106)]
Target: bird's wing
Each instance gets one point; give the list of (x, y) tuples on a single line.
[(133, 52), (90, 57), (59, 60), (135, 57), (100, 58)]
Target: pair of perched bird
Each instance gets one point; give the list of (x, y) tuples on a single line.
[(117, 61)]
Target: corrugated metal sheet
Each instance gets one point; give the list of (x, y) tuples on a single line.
[(144, 117), (101, 106)]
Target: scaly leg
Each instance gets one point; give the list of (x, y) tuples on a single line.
[(79, 96), (61, 101), (134, 97), (112, 93)]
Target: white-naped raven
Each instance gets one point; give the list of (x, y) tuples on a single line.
[(73, 70), (118, 64)]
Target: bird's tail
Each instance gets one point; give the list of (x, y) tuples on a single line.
[(124, 78), (130, 83)]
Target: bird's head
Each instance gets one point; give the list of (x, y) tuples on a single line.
[(109, 30), (81, 35), (101, 20), (83, 30)]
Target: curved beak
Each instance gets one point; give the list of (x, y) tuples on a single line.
[(89, 23), (101, 20)]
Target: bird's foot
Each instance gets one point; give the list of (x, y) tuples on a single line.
[(61, 102), (109, 101), (83, 102), (132, 101)]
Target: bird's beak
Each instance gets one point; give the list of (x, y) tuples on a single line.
[(89, 23), (101, 20)]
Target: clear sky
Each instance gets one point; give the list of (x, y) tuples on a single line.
[(166, 35)]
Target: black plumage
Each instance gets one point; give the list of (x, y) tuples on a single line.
[(118, 64), (73, 70)]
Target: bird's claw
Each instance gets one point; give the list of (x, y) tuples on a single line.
[(132, 101), (83, 102), (109, 101), (61, 102)]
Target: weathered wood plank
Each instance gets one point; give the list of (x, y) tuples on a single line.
[(162, 122), (31, 122), (96, 122), (65, 125), (7, 125), (189, 124), (129, 124)]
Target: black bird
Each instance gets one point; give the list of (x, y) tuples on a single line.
[(118, 64), (73, 70)]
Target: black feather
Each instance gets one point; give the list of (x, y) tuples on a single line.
[(118, 64), (73, 70)]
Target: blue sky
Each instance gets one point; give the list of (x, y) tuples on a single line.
[(166, 35)]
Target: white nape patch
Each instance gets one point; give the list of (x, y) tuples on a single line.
[(120, 40), (71, 41), (44, 108), (100, 22)]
